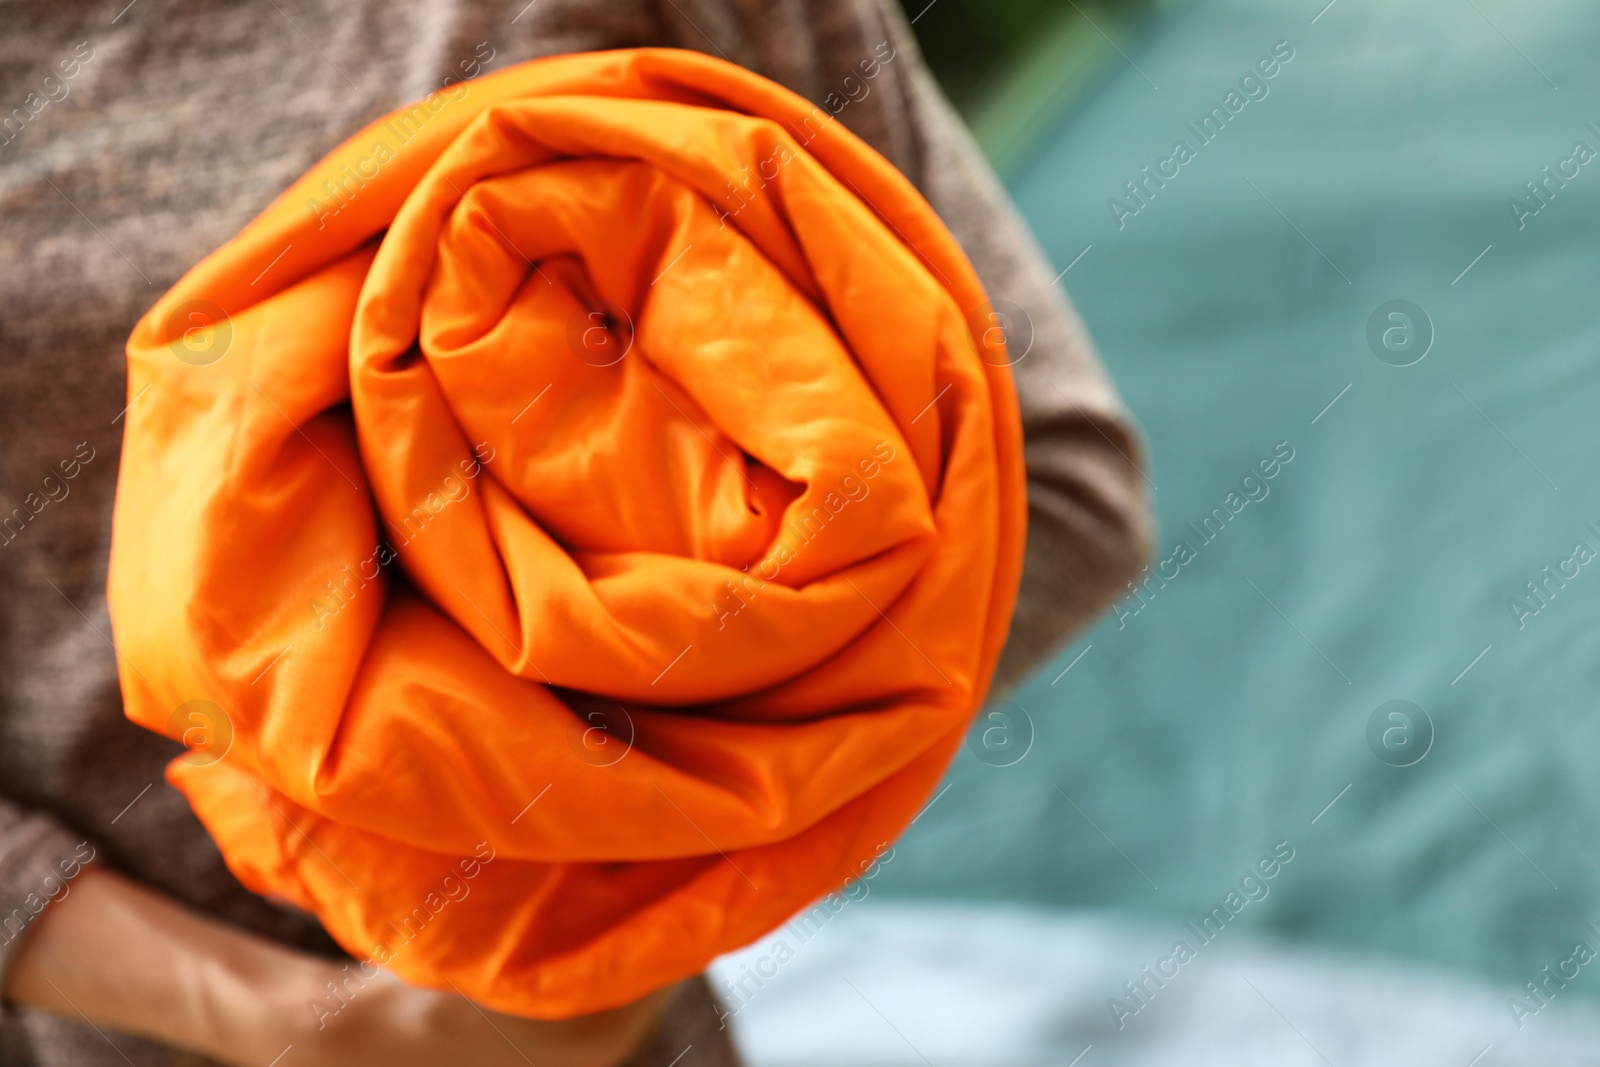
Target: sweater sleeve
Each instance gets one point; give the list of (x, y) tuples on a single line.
[(39, 857), (1089, 528)]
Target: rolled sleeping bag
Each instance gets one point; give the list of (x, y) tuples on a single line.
[(572, 527)]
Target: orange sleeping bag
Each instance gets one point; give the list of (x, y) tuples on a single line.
[(572, 527)]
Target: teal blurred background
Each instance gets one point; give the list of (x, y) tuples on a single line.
[(1231, 310)]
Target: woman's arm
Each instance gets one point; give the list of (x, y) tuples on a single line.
[(123, 957)]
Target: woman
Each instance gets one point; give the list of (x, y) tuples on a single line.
[(144, 136)]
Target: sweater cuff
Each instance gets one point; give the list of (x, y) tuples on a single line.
[(39, 857)]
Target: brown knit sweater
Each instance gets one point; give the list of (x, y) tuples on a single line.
[(137, 137)]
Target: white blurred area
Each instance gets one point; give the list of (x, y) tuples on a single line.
[(889, 983)]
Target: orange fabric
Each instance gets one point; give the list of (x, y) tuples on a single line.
[(618, 399)]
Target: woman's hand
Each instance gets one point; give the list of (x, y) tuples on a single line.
[(398, 1026), (123, 957)]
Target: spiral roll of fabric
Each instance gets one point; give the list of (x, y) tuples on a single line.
[(572, 528)]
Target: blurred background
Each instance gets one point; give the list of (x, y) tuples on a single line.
[(1374, 274)]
